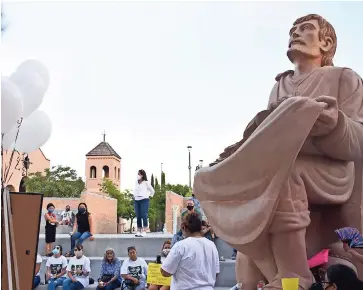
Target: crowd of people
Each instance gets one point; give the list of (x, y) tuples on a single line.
[(193, 262)]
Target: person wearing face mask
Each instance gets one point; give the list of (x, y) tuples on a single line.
[(339, 277), (51, 224), (190, 209), (78, 270), (193, 262), (56, 268), (82, 228), (142, 193), (164, 253)]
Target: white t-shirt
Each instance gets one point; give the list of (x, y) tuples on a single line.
[(56, 265), (143, 190), (83, 264), (134, 268), (39, 261), (194, 264), (66, 214)]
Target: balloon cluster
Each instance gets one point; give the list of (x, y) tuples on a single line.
[(24, 128)]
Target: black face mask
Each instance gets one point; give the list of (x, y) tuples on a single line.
[(67, 209), (82, 210), (190, 207)]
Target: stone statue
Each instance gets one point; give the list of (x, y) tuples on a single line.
[(278, 194)]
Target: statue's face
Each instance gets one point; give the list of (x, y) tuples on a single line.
[(304, 41)]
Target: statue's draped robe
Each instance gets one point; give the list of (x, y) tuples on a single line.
[(269, 179)]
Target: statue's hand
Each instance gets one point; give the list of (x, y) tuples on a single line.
[(328, 118)]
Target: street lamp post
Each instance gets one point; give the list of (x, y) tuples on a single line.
[(190, 167)]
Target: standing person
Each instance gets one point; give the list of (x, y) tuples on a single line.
[(165, 250), (38, 263), (142, 193), (82, 228), (110, 278), (50, 229), (56, 268), (78, 270), (134, 270), (190, 209), (193, 262)]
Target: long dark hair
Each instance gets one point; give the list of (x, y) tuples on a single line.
[(85, 205), (344, 277), (143, 174)]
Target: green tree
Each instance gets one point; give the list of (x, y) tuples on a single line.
[(125, 202), (152, 181), (180, 189), (162, 178), (58, 181)]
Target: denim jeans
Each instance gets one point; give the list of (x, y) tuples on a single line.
[(69, 285), (54, 283), (36, 282), (80, 237), (113, 285), (142, 210)]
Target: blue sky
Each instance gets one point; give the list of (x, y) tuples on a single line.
[(161, 76)]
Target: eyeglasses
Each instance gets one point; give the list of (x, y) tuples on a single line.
[(77, 250)]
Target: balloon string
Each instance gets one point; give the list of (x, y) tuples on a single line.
[(19, 122)]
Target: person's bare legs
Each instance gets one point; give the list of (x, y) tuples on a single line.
[(153, 287), (165, 288)]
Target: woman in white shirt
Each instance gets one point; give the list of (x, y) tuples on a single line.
[(142, 193), (78, 270), (193, 262)]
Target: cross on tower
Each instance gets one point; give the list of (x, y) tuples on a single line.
[(104, 136)]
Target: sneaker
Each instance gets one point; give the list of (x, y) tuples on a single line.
[(222, 259), (234, 256), (138, 234), (143, 234)]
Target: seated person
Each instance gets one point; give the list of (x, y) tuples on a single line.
[(164, 253), (78, 270), (36, 280), (190, 209), (56, 268), (110, 278), (67, 216), (134, 270)]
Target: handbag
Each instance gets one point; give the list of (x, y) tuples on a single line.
[(319, 259), (106, 278)]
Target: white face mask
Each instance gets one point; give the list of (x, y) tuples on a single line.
[(79, 253), (139, 177), (166, 252)]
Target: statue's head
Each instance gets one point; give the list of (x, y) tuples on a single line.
[(312, 37)]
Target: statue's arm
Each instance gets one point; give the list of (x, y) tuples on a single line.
[(345, 142)]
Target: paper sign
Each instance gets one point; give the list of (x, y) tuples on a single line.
[(290, 283), (154, 276)]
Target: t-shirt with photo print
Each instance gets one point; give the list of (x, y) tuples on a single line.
[(134, 268), (56, 265), (82, 264)]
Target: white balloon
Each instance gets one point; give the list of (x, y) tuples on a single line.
[(9, 138), (34, 132), (33, 65), (32, 88), (11, 104)]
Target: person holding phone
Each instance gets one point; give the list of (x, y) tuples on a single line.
[(56, 268), (165, 250), (110, 278)]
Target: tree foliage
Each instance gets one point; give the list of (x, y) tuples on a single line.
[(180, 189), (125, 202), (58, 181), (152, 182)]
